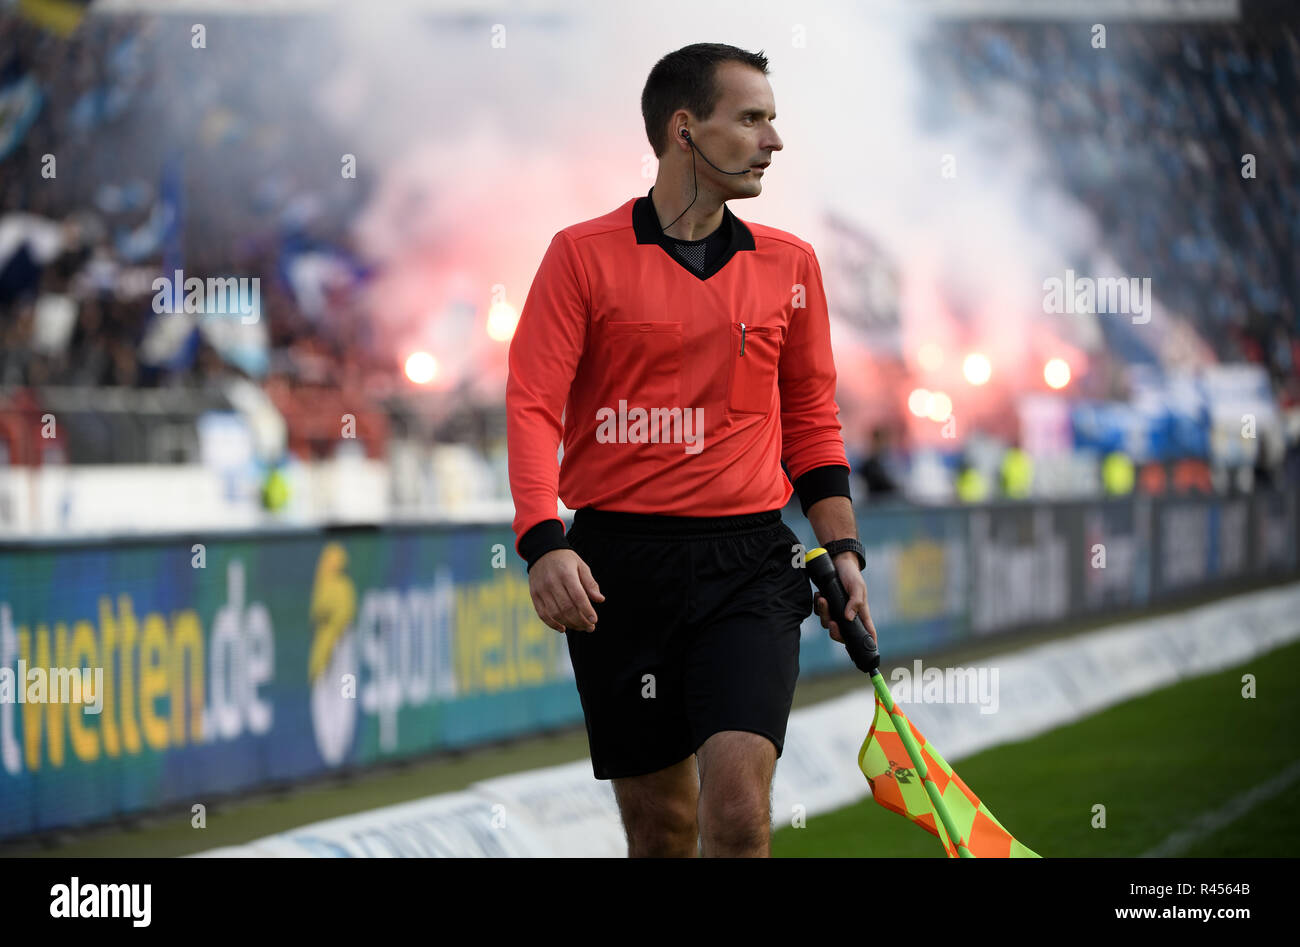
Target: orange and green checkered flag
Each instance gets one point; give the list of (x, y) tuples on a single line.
[(928, 792), (910, 777)]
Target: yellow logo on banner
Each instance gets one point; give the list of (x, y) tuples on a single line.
[(333, 606), (501, 644)]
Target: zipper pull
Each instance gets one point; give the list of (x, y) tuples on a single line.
[(742, 338)]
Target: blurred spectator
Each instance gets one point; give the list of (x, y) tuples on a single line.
[(1118, 476), (1016, 473), (971, 484), (877, 468)]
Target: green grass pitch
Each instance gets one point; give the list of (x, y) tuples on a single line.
[(1155, 763)]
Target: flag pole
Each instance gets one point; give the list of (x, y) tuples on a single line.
[(918, 761)]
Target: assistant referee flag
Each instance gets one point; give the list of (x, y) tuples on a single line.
[(896, 785)]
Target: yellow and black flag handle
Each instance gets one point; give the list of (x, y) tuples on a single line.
[(859, 642)]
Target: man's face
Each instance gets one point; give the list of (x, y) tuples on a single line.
[(739, 134)]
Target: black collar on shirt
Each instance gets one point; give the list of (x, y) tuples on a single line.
[(648, 230)]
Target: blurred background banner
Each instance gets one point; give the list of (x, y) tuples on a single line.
[(223, 659), (207, 647)]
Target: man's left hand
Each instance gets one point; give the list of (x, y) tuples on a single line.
[(846, 566)]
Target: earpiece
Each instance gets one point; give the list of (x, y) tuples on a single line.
[(687, 136)]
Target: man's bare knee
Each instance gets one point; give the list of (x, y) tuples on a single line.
[(659, 811), (735, 793), (738, 822), (660, 827)]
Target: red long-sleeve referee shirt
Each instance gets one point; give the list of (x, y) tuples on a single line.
[(676, 392)]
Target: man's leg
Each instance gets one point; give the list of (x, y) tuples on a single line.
[(735, 814), (632, 728), (741, 672), (659, 811)]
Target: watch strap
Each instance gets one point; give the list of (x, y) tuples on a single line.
[(837, 546)]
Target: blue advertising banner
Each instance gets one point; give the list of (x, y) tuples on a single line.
[(137, 674)]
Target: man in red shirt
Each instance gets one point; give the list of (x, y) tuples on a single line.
[(683, 355)]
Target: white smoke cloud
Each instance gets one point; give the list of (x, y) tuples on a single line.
[(483, 153)]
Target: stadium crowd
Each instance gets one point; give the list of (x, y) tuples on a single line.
[(1148, 134), (143, 182)]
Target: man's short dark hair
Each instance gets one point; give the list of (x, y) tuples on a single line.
[(687, 79)]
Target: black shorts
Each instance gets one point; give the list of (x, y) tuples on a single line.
[(698, 633)]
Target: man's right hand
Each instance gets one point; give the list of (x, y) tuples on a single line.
[(563, 588)]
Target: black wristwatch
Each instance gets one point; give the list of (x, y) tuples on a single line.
[(837, 546)]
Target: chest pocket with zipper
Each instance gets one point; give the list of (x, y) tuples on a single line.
[(755, 356)]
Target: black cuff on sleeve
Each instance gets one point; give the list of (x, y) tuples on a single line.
[(819, 483), (546, 536)]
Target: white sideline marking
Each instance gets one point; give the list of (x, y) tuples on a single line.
[(1209, 822)]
